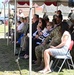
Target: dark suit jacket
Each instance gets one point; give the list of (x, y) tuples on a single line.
[(34, 27)]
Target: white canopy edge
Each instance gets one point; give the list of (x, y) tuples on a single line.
[(41, 2)]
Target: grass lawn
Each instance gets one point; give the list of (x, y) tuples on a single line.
[(8, 65), (2, 28)]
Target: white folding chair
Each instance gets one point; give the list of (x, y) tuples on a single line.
[(65, 58)]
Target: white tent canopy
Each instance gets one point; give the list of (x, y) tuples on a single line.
[(25, 5), (52, 8), (64, 9), (41, 2)]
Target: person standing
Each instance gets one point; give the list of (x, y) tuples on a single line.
[(70, 14)]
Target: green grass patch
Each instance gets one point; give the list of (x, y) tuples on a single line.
[(8, 65), (2, 27)]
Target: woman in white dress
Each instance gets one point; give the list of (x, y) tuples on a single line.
[(60, 49)]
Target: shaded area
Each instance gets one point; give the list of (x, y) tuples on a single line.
[(8, 66), (7, 59)]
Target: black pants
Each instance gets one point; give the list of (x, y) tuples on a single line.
[(34, 44)]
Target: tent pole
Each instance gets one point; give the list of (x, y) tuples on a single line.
[(57, 4), (15, 28), (30, 40), (8, 22), (4, 23)]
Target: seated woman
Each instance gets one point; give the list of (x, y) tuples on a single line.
[(41, 25), (60, 49), (42, 34)]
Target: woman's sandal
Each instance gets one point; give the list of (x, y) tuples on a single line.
[(45, 71)]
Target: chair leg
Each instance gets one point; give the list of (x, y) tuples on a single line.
[(56, 61), (61, 65), (51, 63), (72, 63), (68, 64)]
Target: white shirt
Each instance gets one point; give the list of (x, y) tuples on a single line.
[(20, 26), (69, 38)]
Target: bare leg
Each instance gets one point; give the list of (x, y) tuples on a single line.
[(46, 61)]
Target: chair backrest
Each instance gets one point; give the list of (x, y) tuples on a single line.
[(71, 45)]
